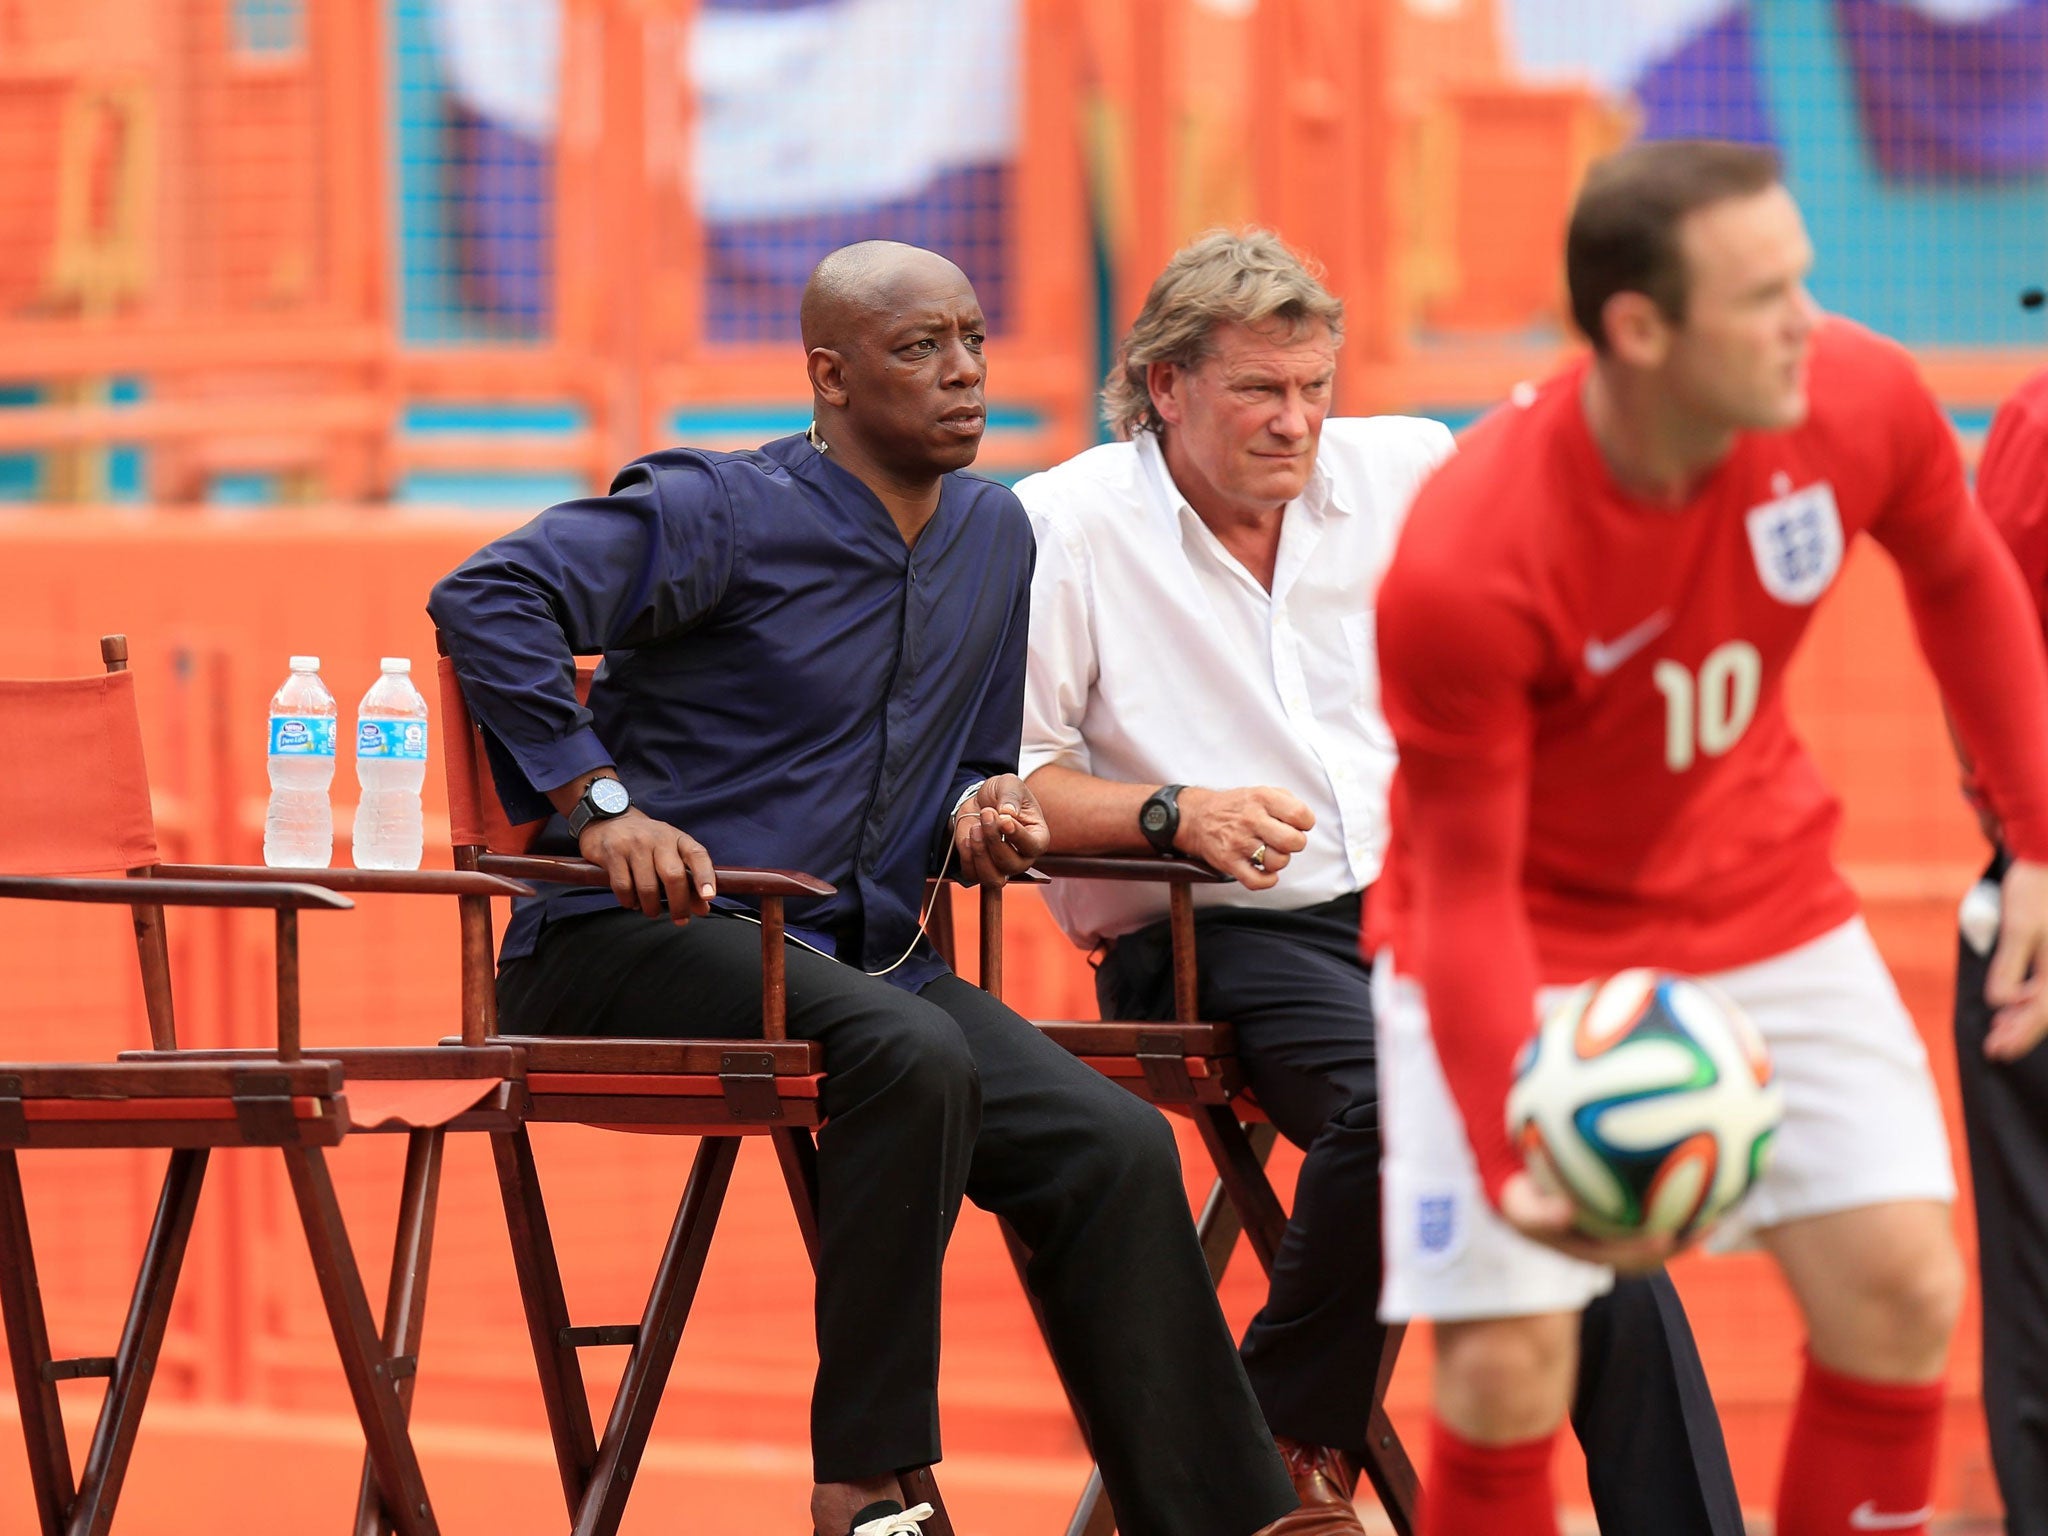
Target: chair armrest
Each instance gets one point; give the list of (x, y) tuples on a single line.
[(1130, 866), (731, 882), (400, 882), (171, 1074), (282, 897)]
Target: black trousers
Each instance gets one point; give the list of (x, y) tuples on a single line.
[(2005, 1115), (1295, 989), (929, 1097)]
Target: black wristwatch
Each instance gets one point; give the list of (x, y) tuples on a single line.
[(1159, 817), (601, 800)]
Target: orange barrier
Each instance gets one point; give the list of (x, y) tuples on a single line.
[(213, 603), (190, 206)]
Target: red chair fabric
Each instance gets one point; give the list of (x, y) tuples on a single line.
[(74, 744)]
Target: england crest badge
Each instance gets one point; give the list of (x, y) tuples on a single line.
[(1797, 541), (1439, 1227), (1435, 1222)]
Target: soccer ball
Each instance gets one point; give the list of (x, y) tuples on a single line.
[(1646, 1099)]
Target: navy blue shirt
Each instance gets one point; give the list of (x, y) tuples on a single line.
[(783, 678)]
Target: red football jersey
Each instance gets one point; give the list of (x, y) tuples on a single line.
[(1588, 695), (2012, 482)]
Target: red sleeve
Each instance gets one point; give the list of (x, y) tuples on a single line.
[(1976, 625), (1456, 666), (2012, 484)]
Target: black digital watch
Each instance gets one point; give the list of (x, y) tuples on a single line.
[(1159, 817)]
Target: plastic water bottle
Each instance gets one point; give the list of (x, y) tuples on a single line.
[(298, 828), (391, 764)]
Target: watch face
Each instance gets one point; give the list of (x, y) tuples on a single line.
[(609, 796), (1155, 818)]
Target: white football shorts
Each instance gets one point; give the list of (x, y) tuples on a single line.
[(1862, 1126)]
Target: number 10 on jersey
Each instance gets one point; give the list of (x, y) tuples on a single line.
[(1707, 712)]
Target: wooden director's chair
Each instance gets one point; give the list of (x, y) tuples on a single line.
[(1190, 1068), (77, 743), (719, 1090)]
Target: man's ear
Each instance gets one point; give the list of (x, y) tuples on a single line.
[(1164, 382), (1638, 332), (828, 375)]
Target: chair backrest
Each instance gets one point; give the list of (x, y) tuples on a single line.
[(478, 825), (74, 790), (481, 831), (476, 816), (76, 742)]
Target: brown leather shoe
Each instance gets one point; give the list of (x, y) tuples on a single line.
[(1325, 1480)]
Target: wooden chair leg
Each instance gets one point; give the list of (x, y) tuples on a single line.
[(399, 1481), (1093, 1516), (405, 1297), (1243, 1173), (1387, 1466), (28, 1353), (797, 1152), (920, 1487), (1218, 1227), (1020, 1261), (653, 1354), (142, 1337), (547, 1313)]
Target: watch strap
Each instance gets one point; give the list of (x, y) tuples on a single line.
[(587, 810), (1167, 799)]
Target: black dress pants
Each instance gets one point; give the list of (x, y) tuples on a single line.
[(1295, 989), (930, 1096), (2005, 1115)]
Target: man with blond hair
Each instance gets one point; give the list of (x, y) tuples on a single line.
[(1202, 682)]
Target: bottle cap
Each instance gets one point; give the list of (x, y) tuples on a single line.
[(305, 663), (396, 664)]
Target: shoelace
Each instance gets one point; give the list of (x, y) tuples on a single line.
[(909, 1523)]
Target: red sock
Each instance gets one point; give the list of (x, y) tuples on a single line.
[(1860, 1456), (1498, 1490)]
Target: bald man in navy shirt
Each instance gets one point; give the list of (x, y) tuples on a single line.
[(814, 659)]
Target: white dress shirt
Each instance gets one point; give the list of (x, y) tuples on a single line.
[(1156, 658)]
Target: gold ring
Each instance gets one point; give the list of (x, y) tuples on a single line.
[(1259, 858)]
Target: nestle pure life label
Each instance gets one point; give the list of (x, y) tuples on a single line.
[(301, 736), (404, 740)]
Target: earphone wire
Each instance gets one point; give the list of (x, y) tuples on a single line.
[(923, 919)]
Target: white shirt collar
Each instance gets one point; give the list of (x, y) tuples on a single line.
[(1320, 496)]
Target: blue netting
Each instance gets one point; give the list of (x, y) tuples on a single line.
[(1915, 133), (474, 103), (262, 27), (812, 135), (802, 146)]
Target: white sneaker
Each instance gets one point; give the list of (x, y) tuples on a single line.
[(907, 1522)]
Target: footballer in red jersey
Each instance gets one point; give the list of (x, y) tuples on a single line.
[(1583, 636)]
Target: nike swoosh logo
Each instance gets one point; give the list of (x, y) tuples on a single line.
[(1864, 1517), (1603, 656)]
